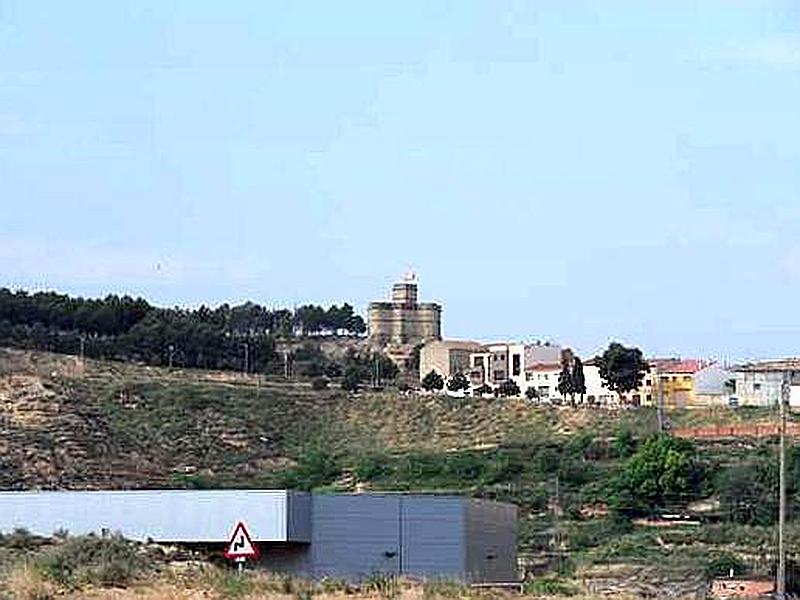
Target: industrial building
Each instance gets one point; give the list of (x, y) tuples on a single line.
[(349, 536)]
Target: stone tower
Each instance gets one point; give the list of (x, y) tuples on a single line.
[(403, 323)]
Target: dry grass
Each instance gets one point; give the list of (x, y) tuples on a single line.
[(26, 582)]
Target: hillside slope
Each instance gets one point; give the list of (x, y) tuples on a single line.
[(101, 425)]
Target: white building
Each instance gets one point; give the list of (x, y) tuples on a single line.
[(760, 383), (543, 378), (497, 363)]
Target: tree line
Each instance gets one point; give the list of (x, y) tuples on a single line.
[(126, 328)]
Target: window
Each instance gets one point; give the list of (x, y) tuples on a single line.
[(687, 378), (516, 364), (649, 397), (544, 391), (499, 375), (477, 361), (756, 387), (648, 382)]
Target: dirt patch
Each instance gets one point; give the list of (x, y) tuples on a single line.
[(25, 401)]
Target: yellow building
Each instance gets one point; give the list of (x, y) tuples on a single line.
[(676, 381)]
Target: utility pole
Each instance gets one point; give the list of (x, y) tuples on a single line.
[(171, 349), (780, 584)]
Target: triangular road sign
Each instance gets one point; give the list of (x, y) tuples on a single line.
[(240, 544)]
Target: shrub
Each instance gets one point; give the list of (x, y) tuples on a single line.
[(550, 587), (320, 383), (106, 561), (725, 564), (483, 390), (315, 468), (432, 382), (372, 466), (508, 388), (352, 380), (21, 539), (386, 585), (624, 444), (747, 493)]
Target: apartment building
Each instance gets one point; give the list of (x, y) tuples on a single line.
[(498, 362)]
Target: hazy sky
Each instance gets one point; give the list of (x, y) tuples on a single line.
[(569, 170)]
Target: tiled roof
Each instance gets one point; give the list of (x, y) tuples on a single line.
[(687, 366)]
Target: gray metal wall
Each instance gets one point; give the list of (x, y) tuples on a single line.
[(433, 536), (355, 536), (491, 537), (437, 537)]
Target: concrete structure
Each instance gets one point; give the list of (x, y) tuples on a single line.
[(447, 357), (349, 536), (759, 383)]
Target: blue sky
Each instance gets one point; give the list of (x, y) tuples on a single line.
[(577, 171)]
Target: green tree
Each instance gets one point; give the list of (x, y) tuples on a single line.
[(565, 387), (662, 472), (578, 378), (432, 382), (531, 393), (621, 368), (458, 382)]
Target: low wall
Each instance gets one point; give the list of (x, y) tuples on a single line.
[(756, 430)]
